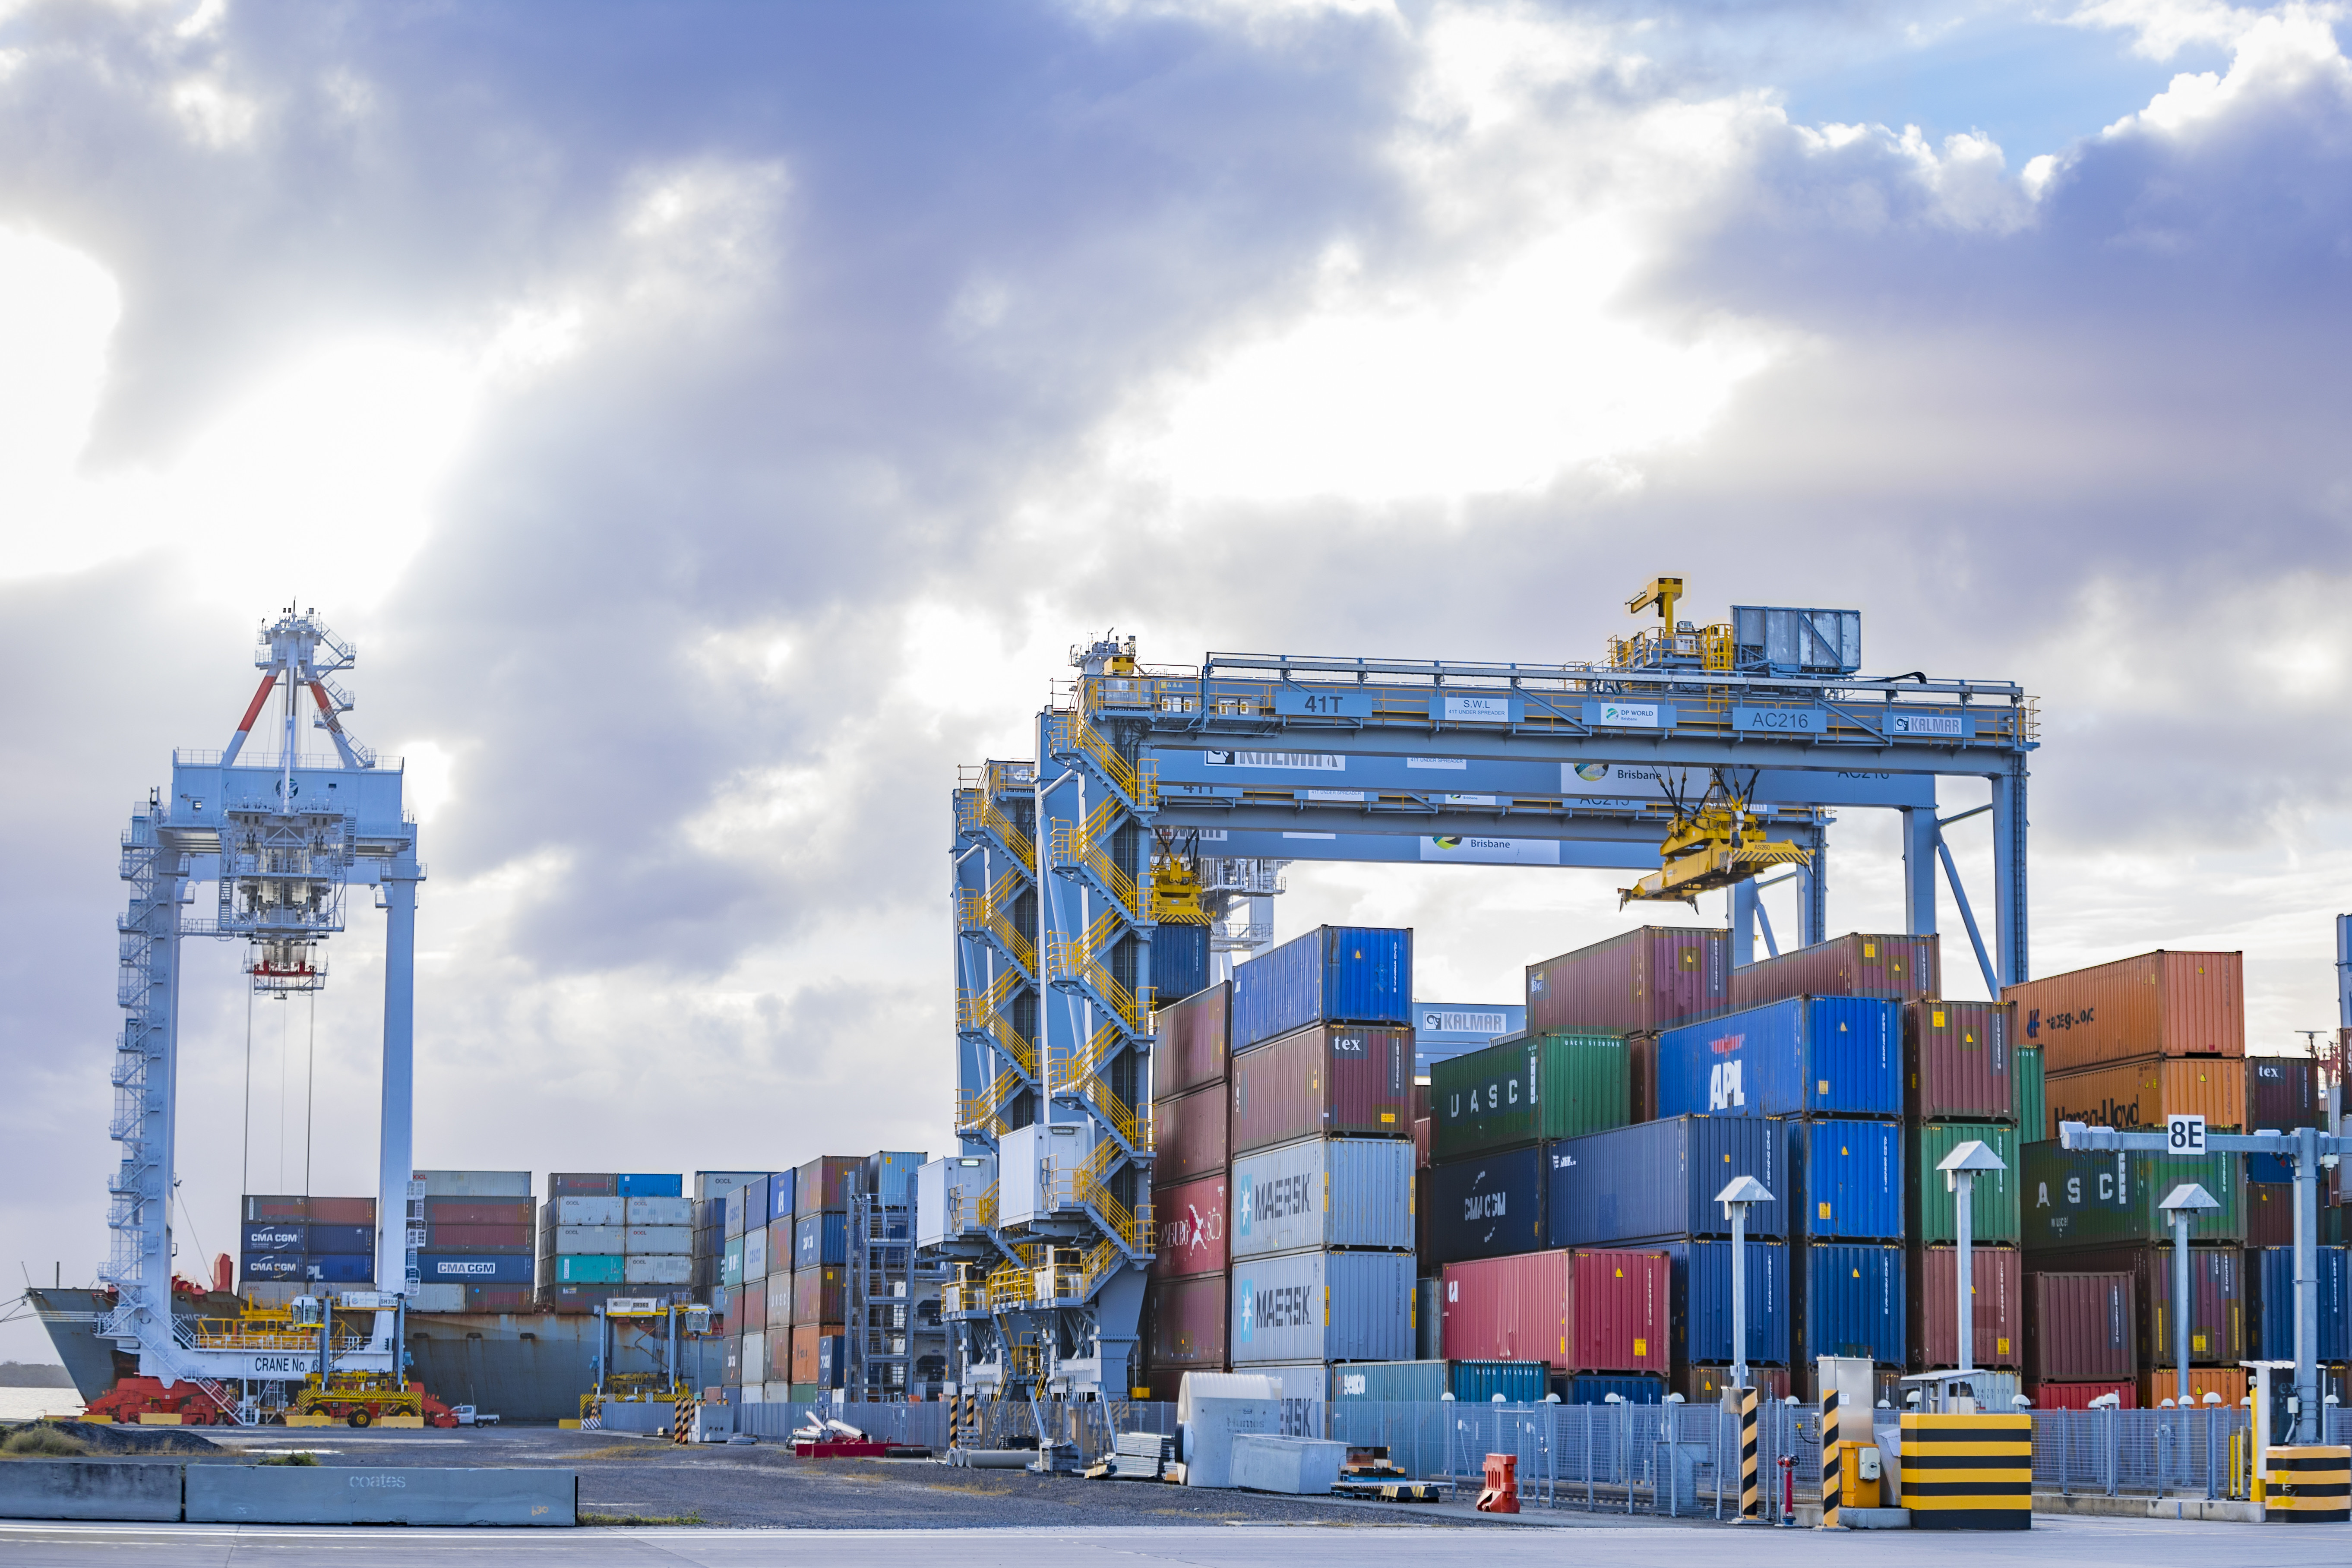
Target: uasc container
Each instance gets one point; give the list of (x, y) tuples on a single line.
[(2157, 1005), (1190, 1221), (1486, 1205), (1646, 979), (1324, 1191), (1660, 1179), (2086, 1198), (1190, 1047), (2079, 1328), (2139, 1095), (1890, 968), (1322, 1306), (1575, 1310), (1527, 1091), (1824, 1055), (1849, 1178), (1957, 1062), (1336, 1080), (1338, 975)]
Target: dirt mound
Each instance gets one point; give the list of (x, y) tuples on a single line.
[(104, 1438)]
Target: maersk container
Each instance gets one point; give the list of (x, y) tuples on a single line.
[(1594, 1388), (1191, 1134), (819, 1239), (1651, 977), (2276, 1266), (1330, 1080), (1189, 1046), (2091, 1198), (1180, 960), (1486, 1205), (1818, 1056), (1701, 1296), (2032, 1096), (1995, 1218), (1957, 1061), (1192, 1225), (649, 1186), (1575, 1309), (1323, 1192), (1890, 968), (1656, 1180), (1427, 1381), (1527, 1091), (1323, 1306), (1850, 1301), (1848, 1177), (1334, 975)]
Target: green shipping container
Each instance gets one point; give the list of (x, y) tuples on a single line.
[(588, 1269), (1527, 1091), (2089, 1198), (2032, 1103), (1935, 1213)]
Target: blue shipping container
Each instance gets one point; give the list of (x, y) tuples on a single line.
[(477, 1268), (1701, 1294), (1657, 1180), (890, 1177), (2275, 1276), (327, 1238), (1633, 1389), (777, 1192), (1822, 1056), (1487, 1206), (758, 1199), (819, 1239), (1848, 1178), (731, 1206), (345, 1269), (273, 1236), (1180, 962), (1426, 1382), (1850, 1301), (257, 1267), (1341, 975), (645, 1186)]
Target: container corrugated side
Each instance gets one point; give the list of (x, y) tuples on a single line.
[(1824, 1055), (1190, 1135), (1575, 1310), (1352, 975), (2033, 1122), (2081, 1396), (1659, 1179), (2084, 1198), (823, 1185), (1848, 1176), (819, 1295), (1850, 1301), (1706, 1385), (1995, 1216), (1189, 1045), (1648, 978), (1594, 1388), (1323, 1192), (1894, 968), (476, 1184), (2276, 1269), (1322, 1306), (1426, 1382), (1336, 1080), (2081, 1328), (2222, 1291), (1522, 1091), (1957, 1062), (1193, 1223), (1486, 1205), (1701, 1272), (1179, 960), (1185, 1323), (2157, 1003), (2284, 1093), (2139, 1095), (1997, 1289), (2227, 1383)]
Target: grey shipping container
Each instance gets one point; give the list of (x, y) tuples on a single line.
[(1324, 1191), (475, 1184), (1323, 1306)]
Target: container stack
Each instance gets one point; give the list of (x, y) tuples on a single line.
[(1959, 1086), (711, 1189), (1635, 984), (1443, 1029), (1184, 1327), (292, 1243), (604, 1235), (809, 1210), (743, 1275), (477, 1253)]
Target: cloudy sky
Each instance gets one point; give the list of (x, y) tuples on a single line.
[(713, 423)]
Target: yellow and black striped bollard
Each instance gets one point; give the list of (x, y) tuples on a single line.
[(1968, 1472), (2309, 1485), (1832, 1469), (681, 1420), (1752, 1499)]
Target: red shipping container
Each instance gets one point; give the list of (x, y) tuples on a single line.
[(439, 1237), (1329, 1080), (1573, 1310), (497, 1298), (1192, 1041), (2218, 1291), (1190, 1136), (1190, 1221), (1186, 1323), (1957, 1062), (2082, 1328), (2157, 1005), (1997, 1275), (1706, 1384), (478, 1211), (820, 1294), (2078, 1395), (342, 1211), (1863, 964), (780, 1247), (1421, 1143), (582, 1184), (823, 1185), (1651, 978)]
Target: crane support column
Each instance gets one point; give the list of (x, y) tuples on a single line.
[(1919, 835), (1743, 923), (2008, 873), (395, 1260)]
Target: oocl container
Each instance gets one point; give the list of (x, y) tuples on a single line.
[(2334, 1333), (1995, 1217), (1322, 1306), (2141, 1094), (1824, 1055), (1848, 1176), (657, 1268), (1702, 1297), (1186, 1320), (1324, 1191), (2157, 1005), (1331, 1080), (1486, 1205), (1957, 1061), (1648, 978), (2082, 1198), (2081, 1328), (657, 1210), (1659, 1179), (1192, 1225), (1573, 1310), (1191, 1133), (1996, 1281), (1527, 1091), (1339, 974), (1850, 1301), (1892, 968), (1189, 1045)]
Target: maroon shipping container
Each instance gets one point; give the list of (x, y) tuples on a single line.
[(2270, 1214), (582, 1184), (1997, 1276), (2218, 1289), (2079, 1328), (1957, 1063), (1704, 1385), (478, 1211), (1864, 964), (440, 1238), (2078, 1395), (1650, 978), (1574, 1310), (823, 1185), (1189, 1137), (1421, 1143), (2283, 1093), (1329, 1080), (1642, 1068), (1187, 1323), (751, 1312), (1191, 1045), (497, 1299), (1191, 1223), (820, 1294), (342, 1211)]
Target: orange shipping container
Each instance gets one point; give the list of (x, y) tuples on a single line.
[(2157, 1004), (807, 1347), (2141, 1094), (2155, 1387)]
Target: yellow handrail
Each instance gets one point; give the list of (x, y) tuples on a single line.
[(1088, 846), (986, 1010), (987, 1207), (1141, 788), (1089, 1185), (990, 911), (1073, 958), (974, 809)]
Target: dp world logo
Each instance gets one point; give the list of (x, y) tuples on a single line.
[(1592, 773)]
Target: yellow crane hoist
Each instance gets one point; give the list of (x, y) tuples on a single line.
[(1713, 845)]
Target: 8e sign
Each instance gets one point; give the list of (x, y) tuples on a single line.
[(2184, 1134)]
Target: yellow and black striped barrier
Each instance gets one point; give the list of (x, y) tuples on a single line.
[(1833, 1461), (2309, 1486), (1751, 1501), (1968, 1472), (681, 1420)]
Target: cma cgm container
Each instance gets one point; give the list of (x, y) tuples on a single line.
[(1322, 1306), (1191, 1134), (1334, 1080), (1187, 1324), (1850, 1301), (1528, 1090), (1324, 1191), (2141, 1094), (2079, 1328), (1997, 1280), (2221, 1295), (1890, 968), (2085, 1198), (1934, 1208), (1573, 1310), (481, 1268), (1335, 975), (2283, 1092), (1957, 1062), (1659, 1179), (1820, 1055), (1848, 1177), (1646, 979), (2157, 1005), (1189, 1045), (1192, 1227), (1427, 1381), (2276, 1265), (1486, 1205)]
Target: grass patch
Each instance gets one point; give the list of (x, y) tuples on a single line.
[(629, 1451), (639, 1518), (38, 1441), (288, 1459)]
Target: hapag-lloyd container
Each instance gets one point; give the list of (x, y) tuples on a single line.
[(1818, 1056), (1702, 1297), (2283, 1092), (1573, 1310), (1186, 1322), (1995, 1217), (2276, 1265), (1957, 1062), (1190, 1222), (1997, 1282), (1848, 1178), (2141, 1094), (1190, 1043), (2086, 1198), (1329, 1080), (1339, 974), (1850, 1301), (1528, 1089), (1890, 968), (1486, 1206), (1322, 1306), (2221, 1295), (2157, 1005), (1323, 1192), (1427, 1381), (2079, 1328), (1659, 1179), (1648, 978)]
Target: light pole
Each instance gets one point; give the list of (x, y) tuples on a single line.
[(1961, 1168), (2183, 1205), (1738, 1196)]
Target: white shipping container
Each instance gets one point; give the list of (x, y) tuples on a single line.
[(755, 1360), (592, 1239), (1324, 1191), (660, 1211), (587, 1211), (708, 1184), (475, 1184), (751, 1393), (778, 1393), (437, 1299), (669, 1240), (657, 1268)]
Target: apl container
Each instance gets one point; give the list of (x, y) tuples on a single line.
[(1185, 1323), (1191, 1134), (1337, 974), (1191, 1222), (2157, 1005), (1701, 1271), (1848, 1177), (2081, 1328), (1575, 1310), (1957, 1062), (2139, 1095), (1486, 1205), (2276, 1265), (2220, 1294), (1890, 968), (820, 1239), (1646, 979), (1995, 1217), (1850, 1301), (2033, 1123), (1331, 1080), (2099, 1199), (1322, 1306), (342, 1269), (1659, 1179), (1526, 1091), (1324, 1191), (1821, 1055), (1996, 1281), (822, 1185), (2283, 1093), (1190, 1042)]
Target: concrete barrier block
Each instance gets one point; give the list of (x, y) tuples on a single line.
[(1210, 1431), (287, 1494), (143, 1490), (1302, 1466)]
